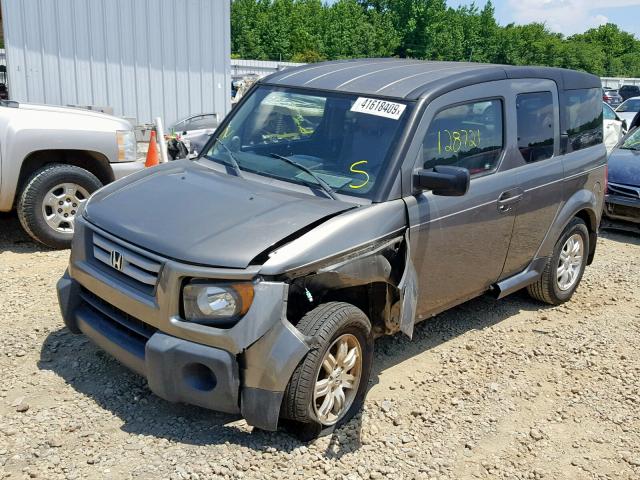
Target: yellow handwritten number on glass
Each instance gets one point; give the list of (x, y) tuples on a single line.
[(355, 170)]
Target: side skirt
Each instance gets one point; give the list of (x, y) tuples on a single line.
[(520, 280)]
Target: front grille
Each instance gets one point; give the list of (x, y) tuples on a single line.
[(624, 190), (137, 270), (123, 321)]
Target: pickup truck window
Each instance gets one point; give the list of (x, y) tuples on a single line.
[(346, 140), (468, 135)]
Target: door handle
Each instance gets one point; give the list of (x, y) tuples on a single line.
[(507, 199)]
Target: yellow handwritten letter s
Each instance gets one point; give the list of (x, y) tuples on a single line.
[(355, 170)]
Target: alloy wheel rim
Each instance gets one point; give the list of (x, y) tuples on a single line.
[(338, 379), (570, 262), (61, 205)]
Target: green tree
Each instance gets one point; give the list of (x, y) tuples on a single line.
[(315, 30)]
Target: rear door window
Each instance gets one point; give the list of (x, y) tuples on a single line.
[(535, 125), (582, 111), (469, 135)]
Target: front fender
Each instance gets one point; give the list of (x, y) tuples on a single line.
[(267, 367), (23, 141), (336, 238)]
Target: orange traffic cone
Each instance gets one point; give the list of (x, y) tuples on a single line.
[(152, 153)]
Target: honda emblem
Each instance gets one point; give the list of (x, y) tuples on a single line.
[(116, 260)]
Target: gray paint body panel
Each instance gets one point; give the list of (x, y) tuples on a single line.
[(455, 247), (229, 220), (338, 237), (412, 79)]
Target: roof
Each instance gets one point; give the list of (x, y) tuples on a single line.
[(412, 79)]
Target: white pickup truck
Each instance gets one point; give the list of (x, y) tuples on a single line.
[(53, 158)]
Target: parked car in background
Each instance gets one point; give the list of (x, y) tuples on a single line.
[(622, 201), (628, 91), (635, 123), (628, 109), (614, 127), (195, 130), (611, 97), (338, 202), (53, 159)]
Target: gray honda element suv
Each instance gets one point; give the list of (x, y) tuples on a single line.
[(338, 202)]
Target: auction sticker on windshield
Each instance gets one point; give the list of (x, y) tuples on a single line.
[(381, 108)]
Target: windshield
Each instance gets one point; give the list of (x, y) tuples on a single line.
[(632, 142), (632, 105), (344, 140)]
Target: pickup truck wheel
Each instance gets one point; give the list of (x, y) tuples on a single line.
[(50, 201), (328, 386), (564, 269)]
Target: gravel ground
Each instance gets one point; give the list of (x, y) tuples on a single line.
[(491, 389)]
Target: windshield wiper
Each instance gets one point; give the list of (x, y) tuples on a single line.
[(234, 162), (324, 185)]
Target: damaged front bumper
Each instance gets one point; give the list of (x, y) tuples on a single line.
[(625, 207), (244, 369)]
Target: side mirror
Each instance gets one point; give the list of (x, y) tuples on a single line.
[(443, 180), (625, 127)]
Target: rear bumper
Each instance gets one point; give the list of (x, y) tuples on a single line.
[(623, 208)]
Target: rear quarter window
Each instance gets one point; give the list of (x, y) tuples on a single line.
[(583, 116)]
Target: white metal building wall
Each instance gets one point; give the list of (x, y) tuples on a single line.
[(262, 68), (143, 58), (617, 82)]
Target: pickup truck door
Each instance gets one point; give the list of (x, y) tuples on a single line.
[(459, 244)]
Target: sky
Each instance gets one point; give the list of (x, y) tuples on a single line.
[(566, 16)]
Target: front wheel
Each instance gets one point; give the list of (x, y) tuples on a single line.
[(563, 270), (50, 201), (328, 386)]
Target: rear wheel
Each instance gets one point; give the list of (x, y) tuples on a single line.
[(564, 269), (328, 386), (50, 201)]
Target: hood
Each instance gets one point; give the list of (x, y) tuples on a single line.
[(188, 212), (624, 167), (125, 124)]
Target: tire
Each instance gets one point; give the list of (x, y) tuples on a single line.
[(33, 212), (548, 288), (327, 324)]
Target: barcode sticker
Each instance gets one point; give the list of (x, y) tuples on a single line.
[(381, 108)]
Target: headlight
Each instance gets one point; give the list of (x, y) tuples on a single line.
[(219, 305), (127, 146)]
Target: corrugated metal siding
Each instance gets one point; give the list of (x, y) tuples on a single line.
[(143, 58)]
